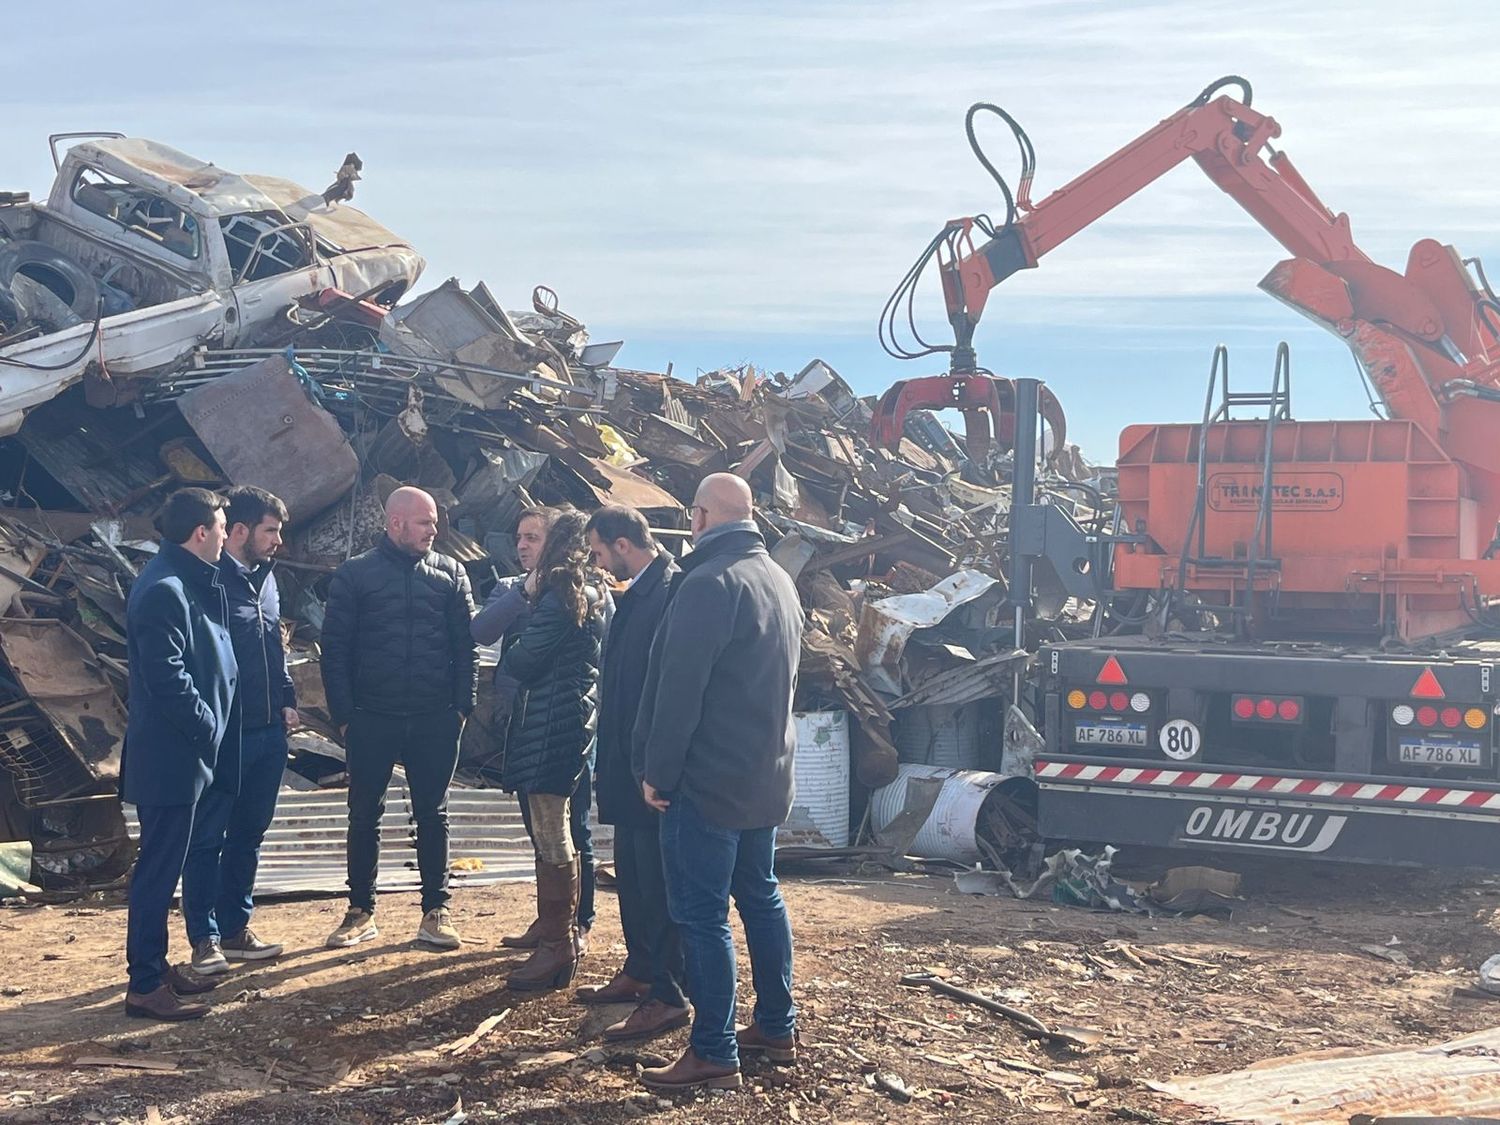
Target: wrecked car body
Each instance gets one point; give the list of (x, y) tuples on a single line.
[(142, 254)]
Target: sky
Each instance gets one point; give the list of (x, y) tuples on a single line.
[(738, 182)]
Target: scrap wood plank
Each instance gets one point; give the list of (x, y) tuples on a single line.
[(487, 1025), (1461, 1076), (131, 1062)]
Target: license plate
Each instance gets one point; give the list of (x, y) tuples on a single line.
[(1110, 734), (1443, 753)]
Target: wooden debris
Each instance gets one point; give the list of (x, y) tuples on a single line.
[(129, 1062), (487, 1025)]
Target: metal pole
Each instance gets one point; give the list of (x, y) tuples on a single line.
[(1022, 496)]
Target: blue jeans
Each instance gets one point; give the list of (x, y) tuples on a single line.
[(705, 864), (219, 875)]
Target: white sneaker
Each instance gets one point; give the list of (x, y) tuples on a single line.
[(358, 926)]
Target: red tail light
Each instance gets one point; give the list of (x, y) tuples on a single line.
[(1099, 701), (1451, 717), (1427, 716), (1119, 701), (1266, 708)]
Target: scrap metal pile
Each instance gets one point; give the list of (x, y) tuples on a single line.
[(900, 556)]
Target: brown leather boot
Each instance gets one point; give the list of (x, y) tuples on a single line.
[(185, 982), (753, 1041), (621, 989), (556, 957), (688, 1072), (162, 1004), (527, 940), (650, 1019)]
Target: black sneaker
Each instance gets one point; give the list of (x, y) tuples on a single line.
[(245, 946)]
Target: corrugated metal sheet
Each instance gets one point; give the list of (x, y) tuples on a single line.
[(304, 847), (90, 452)]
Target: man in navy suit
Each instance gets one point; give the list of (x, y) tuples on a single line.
[(183, 737)]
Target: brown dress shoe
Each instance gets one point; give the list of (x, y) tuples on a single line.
[(163, 1004), (690, 1072), (185, 982), (621, 989), (528, 940), (754, 1041), (650, 1019)]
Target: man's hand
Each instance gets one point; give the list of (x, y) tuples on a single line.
[(529, 587), (290, 717), (653, 798)]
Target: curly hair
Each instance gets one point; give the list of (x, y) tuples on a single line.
[(565, 563)]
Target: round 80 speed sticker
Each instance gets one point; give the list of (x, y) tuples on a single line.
[(1179, 740)]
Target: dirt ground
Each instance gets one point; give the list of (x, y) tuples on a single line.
[(368, 1035)]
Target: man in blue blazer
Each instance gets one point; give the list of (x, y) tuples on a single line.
[(183, 736)]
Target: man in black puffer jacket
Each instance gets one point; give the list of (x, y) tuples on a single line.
[(399, 671)]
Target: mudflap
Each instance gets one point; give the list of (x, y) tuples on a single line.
[(1383, 834)]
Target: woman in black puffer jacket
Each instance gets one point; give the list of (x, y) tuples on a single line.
[(555, 660)]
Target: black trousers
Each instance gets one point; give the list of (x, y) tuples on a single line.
[(654, 949), (427, 745), (165, 830)]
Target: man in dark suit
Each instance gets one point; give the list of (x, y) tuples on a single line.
[(622, 544), (218, 879), (183, 735)]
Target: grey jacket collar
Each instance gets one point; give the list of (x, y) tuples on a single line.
[(724, 529)]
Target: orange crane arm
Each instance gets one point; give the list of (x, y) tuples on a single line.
[(1426, 338), (1225, 138)]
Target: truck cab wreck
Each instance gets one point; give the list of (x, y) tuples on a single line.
[(142, 255)]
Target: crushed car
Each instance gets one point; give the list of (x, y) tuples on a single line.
[(142, 255)]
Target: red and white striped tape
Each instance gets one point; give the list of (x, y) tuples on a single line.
[(1269, 785)]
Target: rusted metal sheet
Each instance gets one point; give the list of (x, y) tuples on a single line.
[(102, 457), (626, 487), (58, 670), (262, 429), (1458, 1077), (662, 440), (19, 558)]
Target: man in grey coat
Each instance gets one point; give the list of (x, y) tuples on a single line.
[(713, 752)]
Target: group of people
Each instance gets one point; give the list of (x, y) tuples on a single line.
[(663, 687)]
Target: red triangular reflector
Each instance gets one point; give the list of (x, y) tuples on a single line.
[(1427, 686), (1112, 673)]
